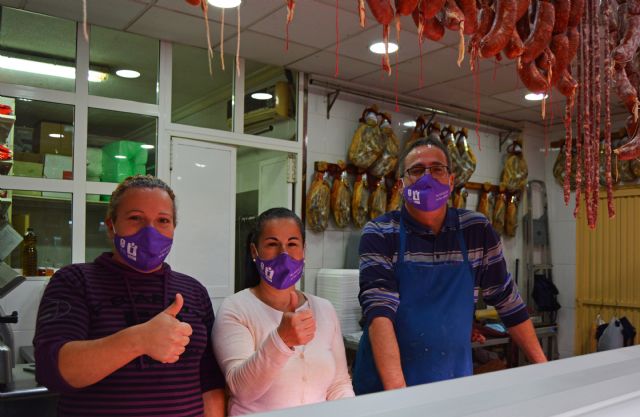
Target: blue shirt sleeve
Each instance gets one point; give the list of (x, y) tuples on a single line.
[(378, 286), (498, 288)]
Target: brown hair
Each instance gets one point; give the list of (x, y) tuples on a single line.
[(139, 181)]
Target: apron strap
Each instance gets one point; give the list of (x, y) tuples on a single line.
[(401, 247), (462, 243)]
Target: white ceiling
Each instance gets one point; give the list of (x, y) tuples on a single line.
[(312, 48)]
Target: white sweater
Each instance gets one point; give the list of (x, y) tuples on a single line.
[(262, 373)]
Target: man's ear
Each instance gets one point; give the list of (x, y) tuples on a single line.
[(451, 182)]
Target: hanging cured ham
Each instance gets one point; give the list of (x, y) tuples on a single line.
[(317, 215), (366, 144), (388, 160), (360, 201), (341, 197)]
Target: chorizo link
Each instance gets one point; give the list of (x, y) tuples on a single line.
[(381, 10), (522, 8), (503, 24), (523, 26), (542, 30), (626, 92), (562, 8), (433, 29), (470, 11), (629, 44), (453, 16), (406, 7), (575, 13), (532, 78), (567, 85), (515, 47), (560, 49), (431, 8), (487, 15), (573, 36)]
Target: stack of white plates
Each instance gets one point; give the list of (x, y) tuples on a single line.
[(340, 287)]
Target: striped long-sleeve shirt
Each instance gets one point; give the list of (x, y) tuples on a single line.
[(379, 252), (93, 300)]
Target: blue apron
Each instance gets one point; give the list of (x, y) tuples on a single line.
[(433, 323)]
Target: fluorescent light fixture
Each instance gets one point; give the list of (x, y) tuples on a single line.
[(410, 123), (125, 73), (200, 165), (261, 96), (145, 146), (378, 47), (535, 97), (56, 135), (225, 4), (43, 68), (120, 157)]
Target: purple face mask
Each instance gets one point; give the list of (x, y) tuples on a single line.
[(427, 194), (280, 272), (144, 250)]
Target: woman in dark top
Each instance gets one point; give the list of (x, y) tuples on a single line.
[(124, 334)]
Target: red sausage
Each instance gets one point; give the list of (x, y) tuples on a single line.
[(432, 7), (626, 92), (563, 8), (406, 7), (523, 7), (540, 37), (523, 26), (503, 24), (575, 13), (545, 61), (566, 85), (453, 16), (532, 78), (470, 11), (515, 47), (433, 29), (560, 49), (381, 10), (629, 44), (573, 36), (633, 6)]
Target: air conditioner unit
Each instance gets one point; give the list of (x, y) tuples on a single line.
[(261, 113)]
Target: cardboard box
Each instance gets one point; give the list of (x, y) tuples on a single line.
[(27, 169), (55, 167), (122, 159), (53, 138)]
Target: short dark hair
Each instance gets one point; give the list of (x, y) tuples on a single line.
[(139, 181), (252, 278), (428, 141)]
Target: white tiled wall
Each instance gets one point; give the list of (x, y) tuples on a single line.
[(25, 300)]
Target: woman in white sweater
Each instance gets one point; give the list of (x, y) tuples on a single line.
[(279, 347)]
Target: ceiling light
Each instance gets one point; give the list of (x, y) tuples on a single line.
[(145, 146), (120, 157), (125, 73), (378, 47), (200, 165), (56, 135), (43, 68), (410, 123), (225, 4), (261, 96), (535, 97)]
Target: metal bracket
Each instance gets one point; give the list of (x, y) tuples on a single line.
[(331, 99), (503, 137)]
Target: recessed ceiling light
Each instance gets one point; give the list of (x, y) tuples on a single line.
[(199, 165), (56, 135), (120, 157), (410, 123), (146, 146), (535, 97), (261, 96), (225, 4), (378, 47), (126, 73)]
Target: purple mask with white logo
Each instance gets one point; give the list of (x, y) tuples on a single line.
[(427, 194), (280, 272), (144, 250)]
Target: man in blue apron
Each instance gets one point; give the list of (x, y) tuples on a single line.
[(420, 271)]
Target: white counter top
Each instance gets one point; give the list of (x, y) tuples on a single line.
[(595, 385)]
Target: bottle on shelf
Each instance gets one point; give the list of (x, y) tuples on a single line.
[(29, 254)]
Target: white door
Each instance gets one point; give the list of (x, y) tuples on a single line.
[(274, 190), (203, 177)]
